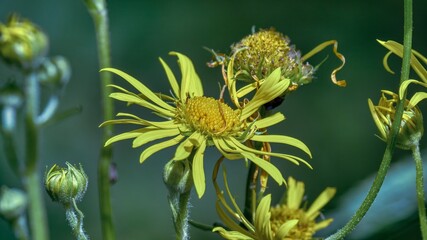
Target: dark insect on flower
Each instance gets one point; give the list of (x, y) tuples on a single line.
[(274, 103)]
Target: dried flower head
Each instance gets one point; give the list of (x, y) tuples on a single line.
[(259, 54)]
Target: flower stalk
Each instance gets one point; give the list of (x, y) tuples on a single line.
[(420, 190), (391, 141), (99, 13), (31, 176)]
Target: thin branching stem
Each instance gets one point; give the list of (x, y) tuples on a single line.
[(385, 163)]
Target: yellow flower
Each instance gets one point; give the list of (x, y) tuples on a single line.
[(287, 220), (411, 127), (22, 43), (194, 122)]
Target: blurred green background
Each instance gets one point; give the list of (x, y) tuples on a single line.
[(334, 122)]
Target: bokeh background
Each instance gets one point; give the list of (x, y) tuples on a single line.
[(334, 122)]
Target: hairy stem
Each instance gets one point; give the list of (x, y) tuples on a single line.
[(99, 13), (420, 190), (385, 163)]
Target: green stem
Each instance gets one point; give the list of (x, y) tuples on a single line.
[(98, 11), (20, 228), (182, 220), (385, 163), (420, 190), (30, 176), (37, 211), (75, 220), (250, 195)]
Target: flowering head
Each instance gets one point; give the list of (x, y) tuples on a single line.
[(259, 54), (194, 122), (22, 43), (210, 116), (65, 184), (287, 220), (411, 127)]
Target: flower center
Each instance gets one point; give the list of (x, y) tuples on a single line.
[(303, 230), (211, 116)]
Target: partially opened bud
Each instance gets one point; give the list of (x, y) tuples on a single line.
[(65, 184), (411, 127), (22, 43), (13, 203)]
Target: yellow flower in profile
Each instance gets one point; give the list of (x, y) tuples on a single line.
[(288, 220), (194, 122), (411, 127)]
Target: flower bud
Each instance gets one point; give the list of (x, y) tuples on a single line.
[(13, 203), (55, 71), (22, 43), (260, 53), (411, 128), (177, 176), (65, 184)]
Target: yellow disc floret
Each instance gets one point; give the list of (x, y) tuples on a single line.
[(211, 116)]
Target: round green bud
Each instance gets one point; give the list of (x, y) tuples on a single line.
[(22, 43), (177, 176), (13, 203), (65, 184), (55, 72)]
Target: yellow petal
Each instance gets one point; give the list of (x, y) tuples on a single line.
[(269, 121), (285, 229), (273, 87), (295, 193), (159, 146), (137, 100), (125, 135), (283, 140), (140, 87), (190, 83), (149, 136), (231, 234), (320, 47), (266, 166), (320, 202), (397, 49), (171, 78), (198, 170)]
